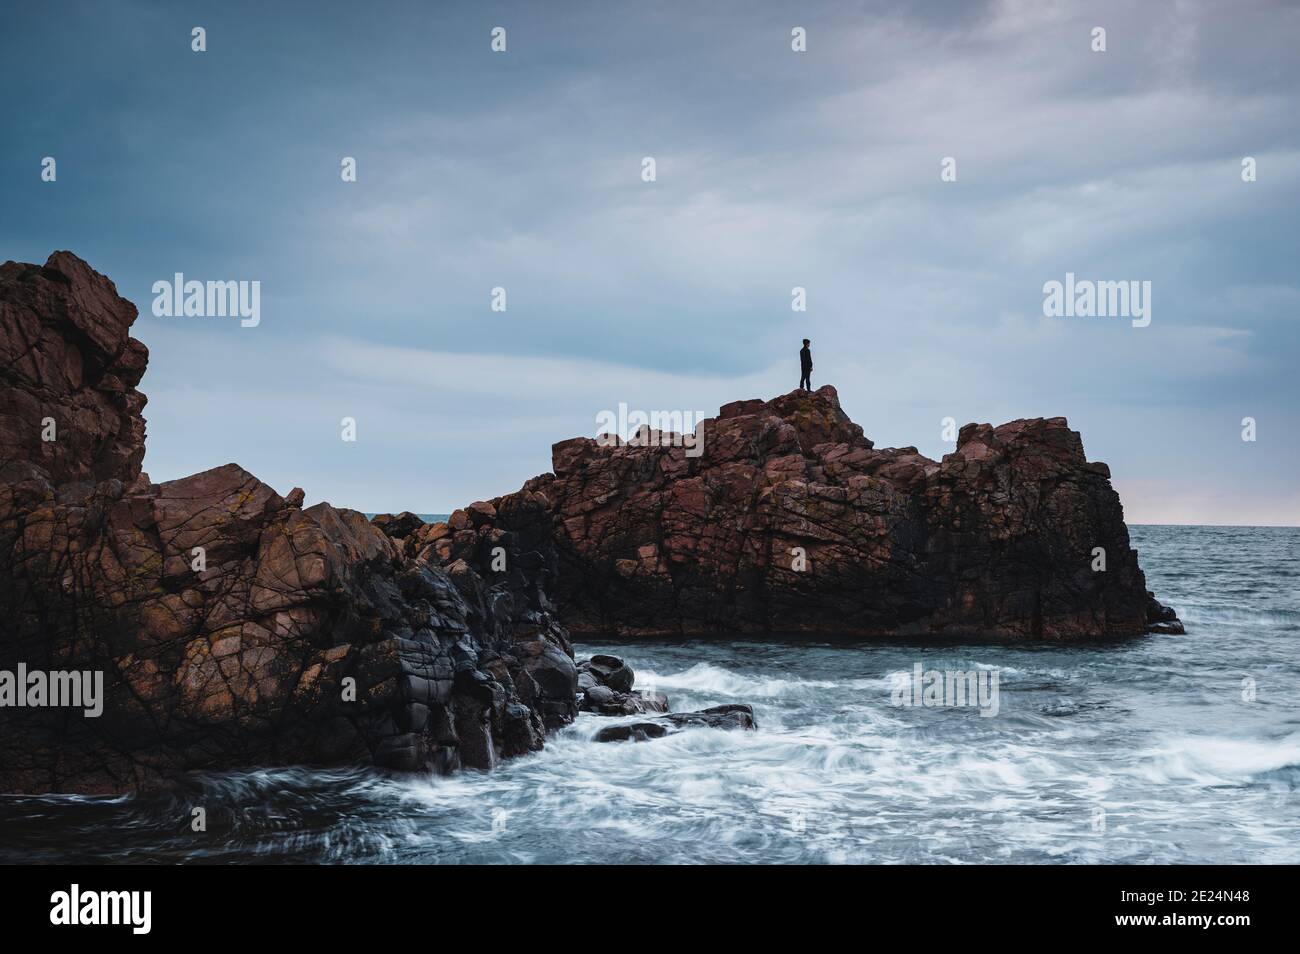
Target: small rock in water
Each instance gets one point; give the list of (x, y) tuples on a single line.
[(605, 688), (633, 732), (733, 716), (1162, 619)]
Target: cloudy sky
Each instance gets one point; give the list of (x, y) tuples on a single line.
[(775, 169)]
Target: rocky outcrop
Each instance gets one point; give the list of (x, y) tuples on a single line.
[(631, 732), (231, 626), (791, 521)]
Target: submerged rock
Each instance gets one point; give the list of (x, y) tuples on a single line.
[(229, 626), (733, 716), (719, 717), (632, 732)]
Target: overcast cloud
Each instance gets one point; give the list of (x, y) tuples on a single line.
[(775, 169)]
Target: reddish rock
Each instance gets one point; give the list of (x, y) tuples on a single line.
[(236, 629), (232, 627), (69, 363), (791, 521)]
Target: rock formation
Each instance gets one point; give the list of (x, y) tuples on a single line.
[(233, 627), (605, 686), (790, 521)]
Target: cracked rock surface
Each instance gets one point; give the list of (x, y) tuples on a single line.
[(234, 628), (790, 521)]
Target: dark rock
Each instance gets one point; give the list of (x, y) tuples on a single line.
[(733, 716), (1161, 618), (605, 688), (634, 732), (648, 701), (604, 701), (398, 526), (718, 717), (233, 628), (599, 695), (612, 672)]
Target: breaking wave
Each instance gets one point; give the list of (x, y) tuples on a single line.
[(1156, 735)]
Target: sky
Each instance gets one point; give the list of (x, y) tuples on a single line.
[(774, 169)]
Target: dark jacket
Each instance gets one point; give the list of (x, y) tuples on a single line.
[(805, 359)]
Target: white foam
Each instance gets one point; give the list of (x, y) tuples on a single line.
[(707, 679), (1215, 760)]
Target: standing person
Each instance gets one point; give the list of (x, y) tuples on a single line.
[(805, 366)]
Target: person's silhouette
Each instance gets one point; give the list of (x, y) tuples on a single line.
[(805, 366)]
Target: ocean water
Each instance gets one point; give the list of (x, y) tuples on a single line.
[(1172, 749)]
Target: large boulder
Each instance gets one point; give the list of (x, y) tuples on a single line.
[(232, 628)]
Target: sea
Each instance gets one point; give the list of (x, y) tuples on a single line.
[(1157, 749)]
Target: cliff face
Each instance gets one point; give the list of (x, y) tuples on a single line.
[(232, 627), (791, 521)]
